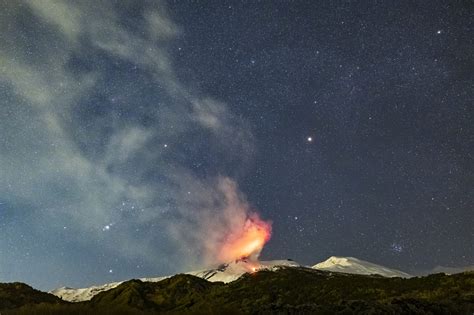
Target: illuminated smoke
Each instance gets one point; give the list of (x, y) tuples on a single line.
[(217, 225), (232, 230), (247, 241)]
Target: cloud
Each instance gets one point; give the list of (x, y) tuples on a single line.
[(79, 140), (60, 14), (160, 26)]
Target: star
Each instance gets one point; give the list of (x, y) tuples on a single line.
[(309, 139), (396, 248)]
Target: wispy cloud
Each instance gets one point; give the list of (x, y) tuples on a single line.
[(78, 143)]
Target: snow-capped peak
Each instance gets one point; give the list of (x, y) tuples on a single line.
[(233, 270), (357, 266)]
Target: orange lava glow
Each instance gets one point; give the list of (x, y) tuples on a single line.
[(248, 242)]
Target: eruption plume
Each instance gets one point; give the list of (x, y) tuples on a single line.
[(223, 228), (247, 241), (238, 231)]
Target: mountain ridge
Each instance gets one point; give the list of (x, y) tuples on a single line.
[(223, 273), (234, 270), (282, 290)]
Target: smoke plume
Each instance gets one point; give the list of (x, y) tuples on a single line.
[(224, 228)]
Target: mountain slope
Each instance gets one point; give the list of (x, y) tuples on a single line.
[(356, 266), (234, 270), (174, 293), (450, 270), (223, 273), (13, 295), (85, 294), (286, 290)]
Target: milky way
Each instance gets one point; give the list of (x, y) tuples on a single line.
[(126, 126)]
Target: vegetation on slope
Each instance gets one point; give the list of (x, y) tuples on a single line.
[(14, 295), (286, 291)]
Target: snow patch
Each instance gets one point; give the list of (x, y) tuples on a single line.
[(356, 266)]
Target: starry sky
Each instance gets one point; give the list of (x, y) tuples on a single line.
[(132, 133)]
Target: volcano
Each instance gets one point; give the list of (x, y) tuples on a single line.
[(227, 272), (233, 270)]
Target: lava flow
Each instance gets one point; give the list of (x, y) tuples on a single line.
[(248, 242)]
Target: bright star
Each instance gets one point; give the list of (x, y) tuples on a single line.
[(310, 139), (397, 248)]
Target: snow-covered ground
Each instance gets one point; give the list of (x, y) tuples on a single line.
[(357, 266), (232, 271), (83, 294)]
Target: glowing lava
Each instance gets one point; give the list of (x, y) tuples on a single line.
[(248, 242)]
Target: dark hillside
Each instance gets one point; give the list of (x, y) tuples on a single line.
[(14, 295), (286, 291)]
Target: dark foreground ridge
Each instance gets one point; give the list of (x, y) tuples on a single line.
[(285, 291)]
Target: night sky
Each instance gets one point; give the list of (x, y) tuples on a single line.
[(126, 126)]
